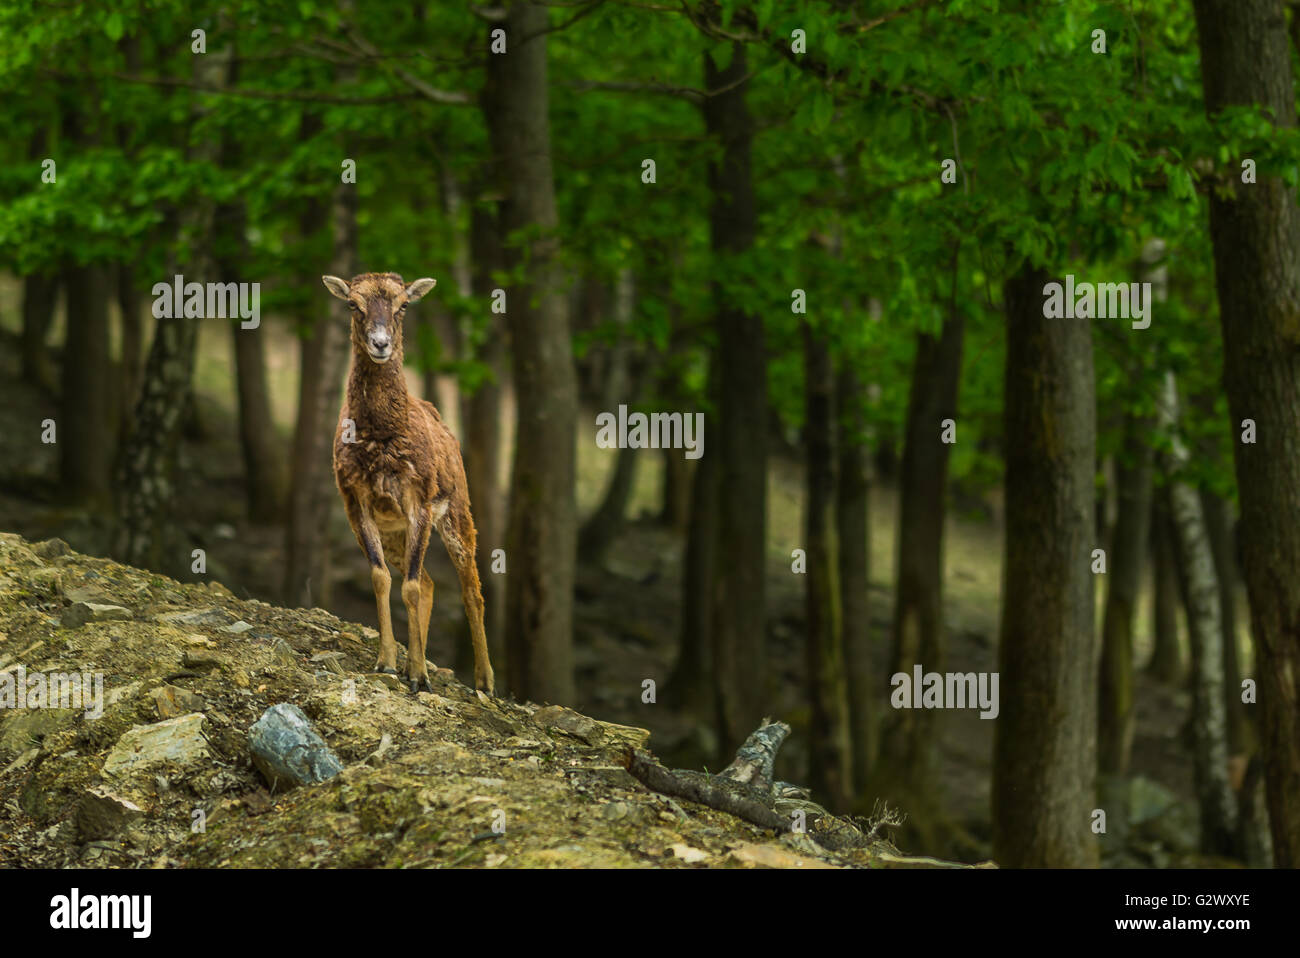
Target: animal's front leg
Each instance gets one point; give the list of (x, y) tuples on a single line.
[(413, 595), (368, 535)]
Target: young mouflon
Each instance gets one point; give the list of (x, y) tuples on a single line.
[(399, 471)]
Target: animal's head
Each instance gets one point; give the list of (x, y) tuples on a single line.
[(378, 302)]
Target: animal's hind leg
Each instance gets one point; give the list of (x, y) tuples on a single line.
[(417, 594), (457, 531), (426, 605), (426, 610)]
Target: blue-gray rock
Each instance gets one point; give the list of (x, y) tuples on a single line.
[(287, 750)]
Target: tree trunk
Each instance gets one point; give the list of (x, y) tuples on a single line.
[(852, 511), (1127, 555), (40, 295), (1218, 526), (1209, 724), (1045, 737), (740, 617), (830, 749), (691, 682), (264, 473), (481, 415), (1245, 60), (1166, 663), (675, 510), (85, 439), (622, 385), (145, 489), (542, 530), (313, 494), (131, 305), (909, 746)]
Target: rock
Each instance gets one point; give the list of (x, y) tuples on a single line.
[(102, 813), (23, 728), (238, 628), (287, 750), (284, 653), (330, 661), (47, 581), (574, 723), (209, 617), (688, 854), (386, 681), (51, 548), (79, 613), (172, 701), (609, 774), (201, 660), (629, 735), (177, 741), (614, 811), (774, 856)]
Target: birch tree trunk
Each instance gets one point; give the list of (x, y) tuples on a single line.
[(1209, 721)]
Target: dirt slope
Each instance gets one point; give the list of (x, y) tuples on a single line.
[(164, 777)]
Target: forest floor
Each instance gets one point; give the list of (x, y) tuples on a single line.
[(626, 614)]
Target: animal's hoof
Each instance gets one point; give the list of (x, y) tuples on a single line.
[(424, 684), (384, 670)]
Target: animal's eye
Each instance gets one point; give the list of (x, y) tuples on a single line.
[(355, 306), (402, 308)]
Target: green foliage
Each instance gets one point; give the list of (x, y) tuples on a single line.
[(1065, 157)]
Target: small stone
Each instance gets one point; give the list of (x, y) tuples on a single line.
[(688, 854), (51, 548), (384, 680), (102, 813), (198, 617), (614, 811), (489, 782), (200, 660), (46, 581), (774, 856), (172, 701), (238, 628), (609, 774), (574, 723), (79, 613), (177, 741), (330, 660), (287, 750)]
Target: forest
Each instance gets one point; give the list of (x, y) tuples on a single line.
[(922, 374)]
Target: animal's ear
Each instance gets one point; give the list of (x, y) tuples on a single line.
[(419, 288), (336, 286)]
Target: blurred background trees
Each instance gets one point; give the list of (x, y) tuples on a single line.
[(825, 226)]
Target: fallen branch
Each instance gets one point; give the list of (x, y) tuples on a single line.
[(680, 784)]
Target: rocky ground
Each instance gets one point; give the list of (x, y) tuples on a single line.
[(164, 776)]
